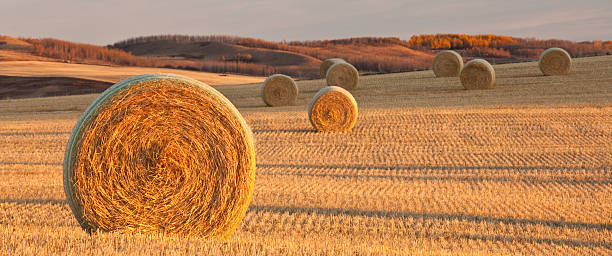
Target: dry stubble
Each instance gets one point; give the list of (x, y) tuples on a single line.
[(430, 169)]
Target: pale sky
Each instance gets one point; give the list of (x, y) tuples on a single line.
[(103, 22)]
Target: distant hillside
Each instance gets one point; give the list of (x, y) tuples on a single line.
[(13, 49), (218, 51), (274, 60), (300, 59)]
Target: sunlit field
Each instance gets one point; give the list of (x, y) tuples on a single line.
[(430, 168)]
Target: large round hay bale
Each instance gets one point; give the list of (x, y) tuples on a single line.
[(447, 64), (328, 63), (477, 74), (555, 62), (279, 90), (343, 74), (333, 109), (160, 153)]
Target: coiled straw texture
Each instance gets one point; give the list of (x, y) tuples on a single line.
[(343, 74), (555, 62), (160, 153), (477, 74), (328, 63), (279, 90), (447, 64), (333, 109)]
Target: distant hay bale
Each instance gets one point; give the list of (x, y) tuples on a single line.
[(343, 74), (333, 109), (477, 74), (328, 63), (447, 64), (279, 90), (555, 62), (160, 153)]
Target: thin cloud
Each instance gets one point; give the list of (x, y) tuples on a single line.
[(107, 21), (560, 17)]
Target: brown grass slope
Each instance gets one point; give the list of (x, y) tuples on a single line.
[(429, 168)]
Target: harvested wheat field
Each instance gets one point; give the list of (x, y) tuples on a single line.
[(29, 79), (429, 168), (109, 73)]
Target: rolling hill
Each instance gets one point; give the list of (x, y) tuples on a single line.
[(218, 51), (299, 59), (26, 79)]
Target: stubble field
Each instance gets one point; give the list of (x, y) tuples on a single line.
[(430, 168)]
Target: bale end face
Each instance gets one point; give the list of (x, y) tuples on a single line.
[(279, 90), (447, 64), (555, 62), (160, 153), (333, 109), (343, 75), (326, 64), (477, 74)]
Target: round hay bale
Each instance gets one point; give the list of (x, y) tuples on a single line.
[(328, 63), (343, 74), (555, 62), (333, 109), (160, 153), (279, 90), (447, 64), (477, 74)]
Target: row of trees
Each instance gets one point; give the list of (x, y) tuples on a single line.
[(70, 51), (243, 41), (239, 57), (458, 41), (355, 40), (504, 47)]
